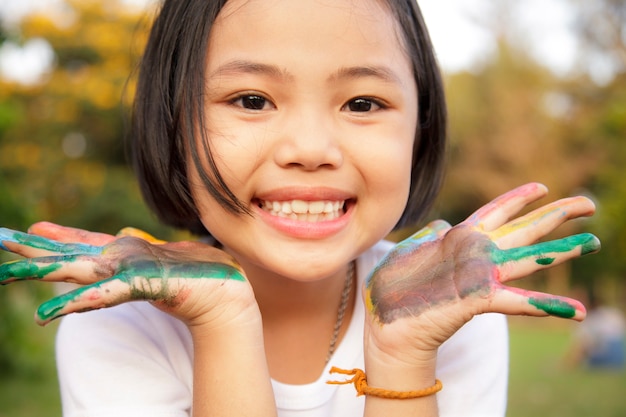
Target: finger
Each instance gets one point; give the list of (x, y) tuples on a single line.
[(138, 233), (439, 227), (432, 231), (69, 234), (518, 262), (501, 209), (106, 293), (78, 269), (32, 245), (539, 222), (154, 285), (517, 301)]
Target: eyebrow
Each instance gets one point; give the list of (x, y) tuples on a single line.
[(381, 72), (237, 67), (248, 67)]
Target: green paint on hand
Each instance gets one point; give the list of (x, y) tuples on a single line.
[(587, 243), (38, 242), (26, 270), (50, 309), (544, 261), (150, 270), (554, 307), (590, 244)]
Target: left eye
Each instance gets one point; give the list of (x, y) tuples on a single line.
[(362, 105)]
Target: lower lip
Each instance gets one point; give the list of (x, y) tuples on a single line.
[(306, 230)]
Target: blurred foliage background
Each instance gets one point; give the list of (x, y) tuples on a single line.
[(512, 120)]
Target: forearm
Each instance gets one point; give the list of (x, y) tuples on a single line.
[(231, 377)]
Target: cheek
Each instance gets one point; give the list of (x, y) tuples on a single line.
[(232, 159), (398, 182), (402, 176), (239, 147), (389, 175)]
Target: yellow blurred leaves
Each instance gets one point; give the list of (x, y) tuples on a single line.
[(20, 156), (61, 138), (97, 45)]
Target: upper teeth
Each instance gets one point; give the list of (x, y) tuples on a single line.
[(304, 210)]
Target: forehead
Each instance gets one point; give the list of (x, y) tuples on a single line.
[(348, 32)]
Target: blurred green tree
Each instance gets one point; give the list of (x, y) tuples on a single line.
[(600, 122), (62, 139), (62, 154), (514, 121)]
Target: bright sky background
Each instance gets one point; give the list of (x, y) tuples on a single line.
[(460, 40)]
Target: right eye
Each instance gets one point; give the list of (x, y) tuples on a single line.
[(252, 102)]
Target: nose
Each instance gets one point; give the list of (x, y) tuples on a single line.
[(309, 141)]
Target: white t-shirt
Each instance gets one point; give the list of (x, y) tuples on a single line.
[(134, 360)]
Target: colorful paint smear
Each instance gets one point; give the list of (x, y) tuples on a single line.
[(38, 242), (143, 271), (587, 243), (430, 269)]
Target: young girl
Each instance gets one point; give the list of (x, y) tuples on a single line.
[(294, 136)]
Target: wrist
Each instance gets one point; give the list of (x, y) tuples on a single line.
[(212, 328), (399, 377)]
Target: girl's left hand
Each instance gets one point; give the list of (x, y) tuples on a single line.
[(435, 281)]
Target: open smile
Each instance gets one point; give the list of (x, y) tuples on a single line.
[(305, 211)]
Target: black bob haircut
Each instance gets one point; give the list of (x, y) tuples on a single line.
[(169, 101)]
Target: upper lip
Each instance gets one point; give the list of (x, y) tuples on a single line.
[(305, 194)]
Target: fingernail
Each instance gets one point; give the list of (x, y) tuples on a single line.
[(49, 311), (589, 244), (6, 235)]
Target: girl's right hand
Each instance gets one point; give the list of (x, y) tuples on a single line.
[(195, 282)]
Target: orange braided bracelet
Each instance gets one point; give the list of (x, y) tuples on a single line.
[(360, 383)]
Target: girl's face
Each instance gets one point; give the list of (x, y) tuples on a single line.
[(311, 108)]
